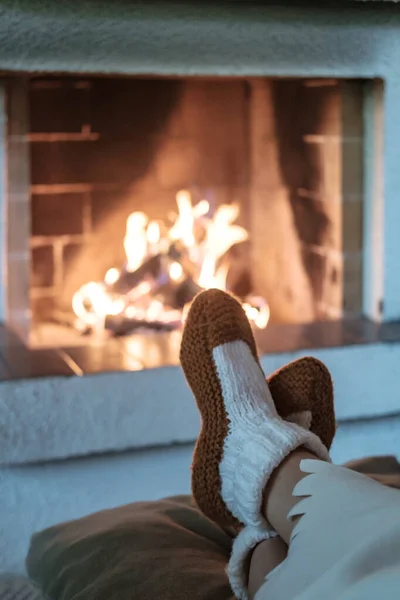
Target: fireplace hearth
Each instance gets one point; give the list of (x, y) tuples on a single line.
[(155, 350)]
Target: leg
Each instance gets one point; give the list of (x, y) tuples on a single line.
[(278, 495), (251, 466), (278, 502), (302, 393), (265, 558), (346, 538), (218, 354), (219, 358)]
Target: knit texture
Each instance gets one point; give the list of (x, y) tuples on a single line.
[(258, 440), (244, 543), (305, 385), (215, 320)]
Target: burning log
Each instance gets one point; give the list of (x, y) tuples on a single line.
[(155, 268), (151, 268), (179, 253), (120, 326)]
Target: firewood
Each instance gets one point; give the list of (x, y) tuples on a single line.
[(120, 326), (151, 268)]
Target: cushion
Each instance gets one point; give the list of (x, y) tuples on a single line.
[(165, 550)]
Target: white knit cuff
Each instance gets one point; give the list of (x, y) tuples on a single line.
[(244, 543), (253, 452)]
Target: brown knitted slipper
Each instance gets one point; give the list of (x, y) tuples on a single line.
[(303, 391), (215, 319)]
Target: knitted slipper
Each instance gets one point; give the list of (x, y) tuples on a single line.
[(303, 393), (242, 439)]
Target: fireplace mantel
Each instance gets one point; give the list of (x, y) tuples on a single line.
[(195, 38)]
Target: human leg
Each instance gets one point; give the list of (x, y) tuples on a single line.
[(266, 556), (219, 358), (349, 525), (243, 439)]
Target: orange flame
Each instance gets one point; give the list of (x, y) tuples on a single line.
[(93, 302)]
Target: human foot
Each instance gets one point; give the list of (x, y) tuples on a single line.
[(242, 439)]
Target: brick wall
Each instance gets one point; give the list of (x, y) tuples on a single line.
[(322, 164)]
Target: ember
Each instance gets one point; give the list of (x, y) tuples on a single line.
[(165, 268)]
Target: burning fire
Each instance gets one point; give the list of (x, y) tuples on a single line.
[(165, 268)]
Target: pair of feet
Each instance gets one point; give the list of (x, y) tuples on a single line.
[(249, 424)]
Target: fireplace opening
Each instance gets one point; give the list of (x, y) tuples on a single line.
[(142, 191)]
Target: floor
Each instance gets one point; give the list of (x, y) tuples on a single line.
[(150, 350)]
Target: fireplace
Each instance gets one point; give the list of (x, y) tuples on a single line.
[(287, 115), (142, 191)]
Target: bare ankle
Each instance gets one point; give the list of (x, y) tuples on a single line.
[(266, 556), (278, 495)]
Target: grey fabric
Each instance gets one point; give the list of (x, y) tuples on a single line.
[(165, 550), (13, 587)]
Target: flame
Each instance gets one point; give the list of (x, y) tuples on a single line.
[(102, 304), (201, 257), (111, 276), (201, 209), (183, 228), (135, 241), (175, 271), (153, 233), (257, 311), (220, 237)]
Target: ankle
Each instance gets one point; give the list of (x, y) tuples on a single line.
[(278, 499), (242, 571), (266, 556)]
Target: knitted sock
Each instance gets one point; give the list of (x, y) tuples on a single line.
[(243, 439), (244, 543), (303, 393)]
